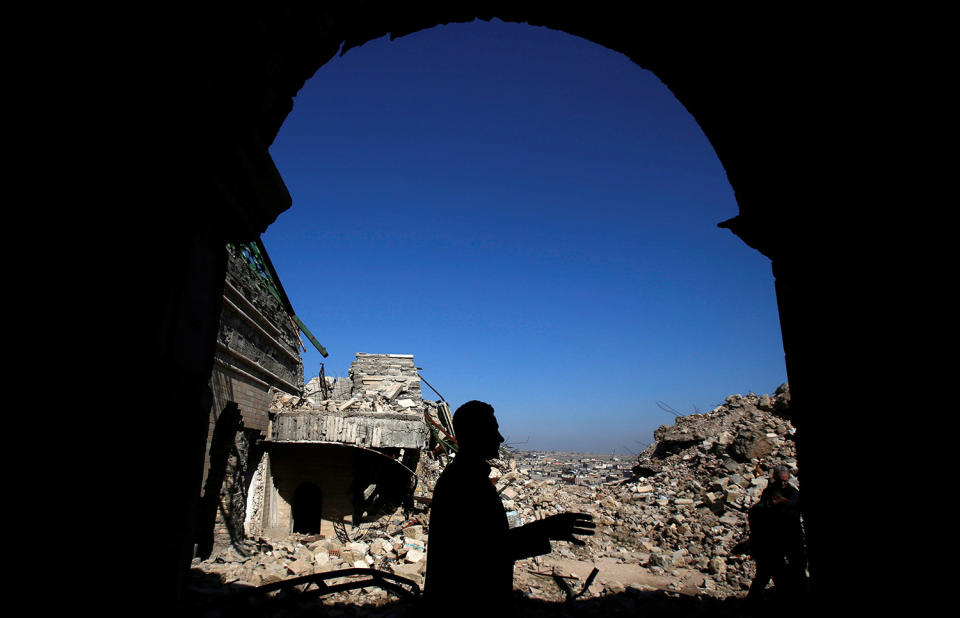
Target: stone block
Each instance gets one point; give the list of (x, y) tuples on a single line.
[(410, 571), (413, 532), (717, 566)]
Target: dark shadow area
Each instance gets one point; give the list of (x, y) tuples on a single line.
[(224, 433), (380, 484), (235, 452), (307, 508), (204, 588), (666, 448)]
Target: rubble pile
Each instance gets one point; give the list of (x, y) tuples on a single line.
[(672, 527), (685, 509), (377, 383), (396, 543)]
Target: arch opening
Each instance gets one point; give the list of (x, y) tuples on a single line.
[(527, 227), (767, 159), (307, 508)]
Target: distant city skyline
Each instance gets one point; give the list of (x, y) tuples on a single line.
[(533, 217)]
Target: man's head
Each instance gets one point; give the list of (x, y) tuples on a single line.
[(781, 476), (477, 430)]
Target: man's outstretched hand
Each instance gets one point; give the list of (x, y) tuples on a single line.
[(562, 527)]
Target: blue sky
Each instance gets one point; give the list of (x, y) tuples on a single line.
[(531, 215)]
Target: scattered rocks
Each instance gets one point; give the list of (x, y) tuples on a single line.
[(749, 446), (717, 566), (673, 526)]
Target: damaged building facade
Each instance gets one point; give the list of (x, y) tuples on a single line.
[(344, 453), (283, 456), (257, 356)]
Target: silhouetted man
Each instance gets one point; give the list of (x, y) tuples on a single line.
[(472, 549), (776, 539)]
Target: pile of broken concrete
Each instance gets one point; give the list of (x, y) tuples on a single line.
[(672, 527), (339, 397), (397, 544)]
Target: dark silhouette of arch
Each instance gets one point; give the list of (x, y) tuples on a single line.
[(307, 508), (776, 98)]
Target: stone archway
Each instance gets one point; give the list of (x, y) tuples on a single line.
[(228, 85)]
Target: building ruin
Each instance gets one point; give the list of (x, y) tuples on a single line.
[(283, 456), (257, 356), (346, 452)]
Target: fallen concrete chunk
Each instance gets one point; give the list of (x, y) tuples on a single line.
[(410, 571), (753, 445), (300, 567), (729, 519), (717, 566), (392, 391), (414, 555), (413, 532), (360, 549)]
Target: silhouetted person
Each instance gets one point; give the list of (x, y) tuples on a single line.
[(776, 539), (472, 549)]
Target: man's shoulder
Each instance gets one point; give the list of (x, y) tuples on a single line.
[(464, 469), (792, 494), (461, 476)]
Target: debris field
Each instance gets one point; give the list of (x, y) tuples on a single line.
[(666, 535)]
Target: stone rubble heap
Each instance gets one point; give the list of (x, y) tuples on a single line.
[(685, 509), (672, 527), (377, 383), (396, 543)]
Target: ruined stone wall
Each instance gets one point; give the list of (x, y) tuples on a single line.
[(256, 357), (392, 376), (367, 429), (255, 325), (253, 398), (256, 499), (234, 449), (242, 460), (382, 408), (257, 353), (328, 468), (357, 438)]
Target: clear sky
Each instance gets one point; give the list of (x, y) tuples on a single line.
[(531, 215)]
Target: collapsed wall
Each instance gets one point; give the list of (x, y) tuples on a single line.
[(346, 451), (379, 405)]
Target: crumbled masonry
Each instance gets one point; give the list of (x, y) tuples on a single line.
[(378, 406), (344, 452), (670, 527)]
